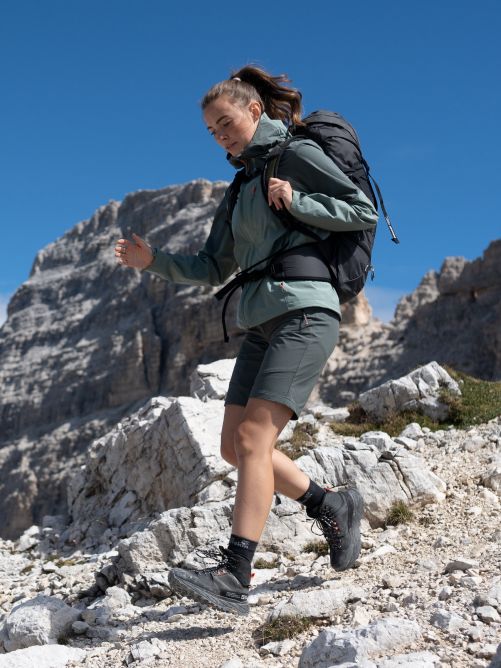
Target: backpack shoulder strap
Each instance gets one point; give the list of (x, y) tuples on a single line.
[(270, 170), (234, 190)]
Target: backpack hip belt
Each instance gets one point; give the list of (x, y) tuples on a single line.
[(301, 263)]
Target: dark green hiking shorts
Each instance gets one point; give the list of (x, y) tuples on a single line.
[(282, 359)]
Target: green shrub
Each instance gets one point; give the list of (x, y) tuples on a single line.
[(262, 563), (301, 441), (320, 547), (282, 628), (399, 513)]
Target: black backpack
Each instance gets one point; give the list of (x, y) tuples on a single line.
[(344, 258)]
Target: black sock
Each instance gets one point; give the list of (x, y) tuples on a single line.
[(242, 550), (312, 498)]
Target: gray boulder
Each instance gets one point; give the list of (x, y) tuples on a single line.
[(42, 620), (418, 391), (319, 604), (334, 646), (210, 381), (167, 455), (45, 656), (381, 477)]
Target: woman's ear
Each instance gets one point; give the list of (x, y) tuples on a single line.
[(255, 109)]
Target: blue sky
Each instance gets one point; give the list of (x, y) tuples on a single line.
[(100, 99)]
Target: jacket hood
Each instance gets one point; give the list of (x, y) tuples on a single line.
[(268, 134)]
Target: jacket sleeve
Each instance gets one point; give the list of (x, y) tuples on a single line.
[(323, 196), (212, 265)]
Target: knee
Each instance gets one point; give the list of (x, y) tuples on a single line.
[(250, 442), (228, 450)]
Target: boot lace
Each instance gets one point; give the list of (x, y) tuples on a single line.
[(329, 528), (222, 557)]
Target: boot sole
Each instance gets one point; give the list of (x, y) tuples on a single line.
[(358, 511), (201, 595)]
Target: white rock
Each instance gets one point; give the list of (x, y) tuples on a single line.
[(379, 439), (419, 390), (492, 477), (29, 539), (332, 647), (473, 444), (232, 663), (147, 649), (277, 648), (45, 656), (408, 443), (361, 616), (471, 581), (116, 604), (448, 621), (210, 381), (39, 621), (412, 430), (166, 455), (412, 660), (488, 614), (489, 497), (323, 603), (378, 553)]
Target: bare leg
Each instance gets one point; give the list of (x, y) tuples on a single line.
[(261, 469), (289, 479)]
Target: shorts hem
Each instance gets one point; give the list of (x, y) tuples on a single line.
[(285, 401)]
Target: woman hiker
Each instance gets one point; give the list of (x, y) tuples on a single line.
[(291, 327)]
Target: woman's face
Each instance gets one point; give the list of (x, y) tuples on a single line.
[(231, 124)]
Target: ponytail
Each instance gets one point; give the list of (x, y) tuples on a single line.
[(253, 83)]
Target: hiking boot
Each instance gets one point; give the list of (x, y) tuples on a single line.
[(215, 585), (338, 517)]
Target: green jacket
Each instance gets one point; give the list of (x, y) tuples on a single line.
[(323, 197)]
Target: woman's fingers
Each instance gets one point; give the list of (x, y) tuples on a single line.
[(136, 253), (279, 193)]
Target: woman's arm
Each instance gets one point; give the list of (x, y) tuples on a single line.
[(322, 195), (212, 265)]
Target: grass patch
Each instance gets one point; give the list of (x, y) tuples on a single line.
[(262, 563), (282, 628), (68, 562), (399, 513), (479, 403), (480, 400), (320, 547), (301, 441)]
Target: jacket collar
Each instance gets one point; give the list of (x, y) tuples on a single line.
[(268, 134)]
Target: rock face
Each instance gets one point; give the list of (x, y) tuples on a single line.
[(453, 317), (165, 456), (87, 341)]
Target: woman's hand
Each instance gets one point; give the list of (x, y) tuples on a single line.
[(279, 193), (136, 254)]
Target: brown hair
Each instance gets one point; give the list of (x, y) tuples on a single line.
[(253, 83)]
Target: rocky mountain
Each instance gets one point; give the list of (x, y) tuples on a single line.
[(453, 316), (425, 592), (87, 342)]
